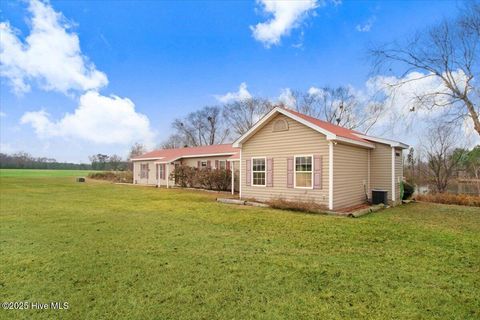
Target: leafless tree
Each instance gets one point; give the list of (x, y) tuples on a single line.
[(242, 115), (202, 127), (442, 154), (448, 52), (137, 149), (173, 142), (340, 106), (115, 162)]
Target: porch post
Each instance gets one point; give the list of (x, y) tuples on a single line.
[(232, 170)]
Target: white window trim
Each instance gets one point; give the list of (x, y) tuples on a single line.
[(201, 164), (251, 173), (295, 171)]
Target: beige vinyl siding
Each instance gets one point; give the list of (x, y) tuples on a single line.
[(151, 174), (193, 162), (381, 168), (350, 175), (297, 140), (398, 173)]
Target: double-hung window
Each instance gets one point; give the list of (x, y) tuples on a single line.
[(203, 164), (258, 172), (303, 172)]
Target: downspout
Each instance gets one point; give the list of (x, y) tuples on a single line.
[(232, 172), (240, 175), (393, 175), (330, 175)]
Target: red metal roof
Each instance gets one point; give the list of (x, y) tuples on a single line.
[(166, 155), (337, 130)]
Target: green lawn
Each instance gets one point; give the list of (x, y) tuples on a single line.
[(125, 252), (42, 173)]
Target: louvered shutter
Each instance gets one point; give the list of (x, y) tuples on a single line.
[(290, 172), (209, 164), (269, 172), (248, 172), (317, 173)]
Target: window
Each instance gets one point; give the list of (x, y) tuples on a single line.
[(303, 172), (144, 171), (222, 164), (203, 164), (258, 171), (160, 169), (397, 154)]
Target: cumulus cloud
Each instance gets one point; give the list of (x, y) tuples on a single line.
[(50, 55), (2, 114), (285, 16), (367, 26), (241, 94), (286, 98), (98, 119)]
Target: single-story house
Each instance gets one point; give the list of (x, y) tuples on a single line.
[(292, 156), (289, 155), (154, 168)]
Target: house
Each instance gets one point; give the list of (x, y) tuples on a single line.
[(289, 155), (295, 157), (155, 168)]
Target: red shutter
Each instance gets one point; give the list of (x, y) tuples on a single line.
[(248, 173), (290, 172), (209, 164), (156, 171), (228, 165), (163, 171), (269, 172), (198, 164), (317, 172), (216, 164)]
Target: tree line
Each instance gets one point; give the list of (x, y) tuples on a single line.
[(23, 160)]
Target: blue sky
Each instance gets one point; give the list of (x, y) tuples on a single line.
[(170, 58)]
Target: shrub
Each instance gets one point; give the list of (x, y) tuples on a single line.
[(450, 198), (113, 176), (408, 190), (211, 179), (301, 206)]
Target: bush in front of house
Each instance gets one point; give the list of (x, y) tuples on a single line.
[(408, 190), (113, 176), (450, 198), (206, 178)]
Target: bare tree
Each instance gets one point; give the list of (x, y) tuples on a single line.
[(137, 149), (340, 106), (442, 155), (242, 115), (115, 162), (447, 52), (202, 127), (173, 142)]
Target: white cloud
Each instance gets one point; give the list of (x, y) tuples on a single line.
[(286, 15), (98, 119), (367, 26), (2, 114), (286, 97), (50, 55), (314, 91), (241, 94)]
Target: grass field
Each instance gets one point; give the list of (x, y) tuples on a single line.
[(124, 252)]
